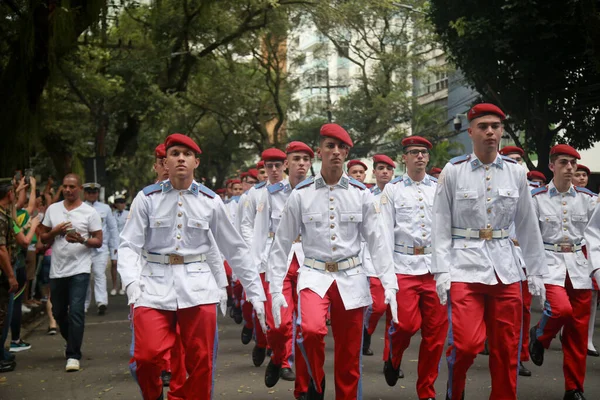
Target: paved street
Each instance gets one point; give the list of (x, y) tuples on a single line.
[(40, 372)]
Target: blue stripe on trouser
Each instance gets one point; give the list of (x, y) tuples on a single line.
[(215, 349), (292, 356), (133, 364), (546, 314), (300, 339), (452, 357)]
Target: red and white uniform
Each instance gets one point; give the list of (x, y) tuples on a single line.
[(563, 218), (167, 226), (407, 206), (474, 206), (331, 220)]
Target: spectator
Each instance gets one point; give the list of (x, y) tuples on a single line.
[(74, 229), (121, 215)]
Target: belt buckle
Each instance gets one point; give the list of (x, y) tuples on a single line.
[(175, 259), (331, 267), (418, 250), (565, 247), (485, 234)]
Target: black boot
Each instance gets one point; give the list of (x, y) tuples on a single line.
[(486, 350), (237, 315), (536, 349), (391, 374), (246, 335), (258, 356), (165, 376), (523, 371), (574, 395), (312, 391), (366, 348), (287, 374), (271, 373), (448, 396), (7, 365)]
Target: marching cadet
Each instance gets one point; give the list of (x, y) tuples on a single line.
[(261, 172), (274, 160), (383, 169), (163, 263), (581, 176), (592, 238), (435, 172), (280, 334), (478, 197), (159, 163), (231, 204), (357, 170), (514, 152), (563, 211), (331, 211), (536, 178), (110, 244), (406, 206), (120, 214)]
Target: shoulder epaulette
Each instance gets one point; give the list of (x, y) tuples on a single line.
[(305, 183), (235, 198), (397, 179), (433, 178), (276, 187), (206, 191), (154, 188), (460, 159), (260, 184), (510, 160), (539, 190), (585, 190), (356, 183)]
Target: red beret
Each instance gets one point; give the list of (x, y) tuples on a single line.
[(243, 175), (228, 182), (160, 151), (273, 154), (352, 163), (435, 170), (581, 167), (235, 181), (253, 172), (506, 150), (531, 175), (416, 141), (220, 191), (566, 150), (260, 164), (337, 132), (177, 139), (382, 158), (295, 147), (479, 110)]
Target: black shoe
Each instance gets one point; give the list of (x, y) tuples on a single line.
[(165, 376), (428, 398), (486, 350), (302, 396), (448, 396), (390, 373), (574, 395), (7, 365), (400, 373), (366, 347), (523, 371), (237, 315), (271, 373), (102, 309), (312, 391), (161, 397), (258, 356), (246, 335), (287, 374), (593, 353), (536, 349)]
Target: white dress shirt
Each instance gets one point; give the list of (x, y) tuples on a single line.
[(563, 218), (407, 208), (471, 195), (165, 221), (331, 220)]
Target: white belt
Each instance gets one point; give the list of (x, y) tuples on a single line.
[(562, 247), (173, 258), (412, 250), (485, 234), (333, 266)]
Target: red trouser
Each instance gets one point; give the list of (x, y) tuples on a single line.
[(419, 308), (155, 334), (228, 273), (247, 312), (280, 339), (569, 309), (376, 310), (475, 308), (347, 327), (238, 293), (527, 298)]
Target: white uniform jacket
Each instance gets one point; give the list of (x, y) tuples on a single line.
[(407, 208), (121, 218), (365, 256), (166, 221), (247, 211), (110, 231), (266, 223), (331, 220), (232, 207), (471, 195), (563, 218)]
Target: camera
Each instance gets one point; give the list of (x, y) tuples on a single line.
[(28, 174)]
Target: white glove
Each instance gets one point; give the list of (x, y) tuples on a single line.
[(537, 288), (277, 301), (133, 292), (259, 309), (390, 298), (597, 273), (223, 301), (442, 285)]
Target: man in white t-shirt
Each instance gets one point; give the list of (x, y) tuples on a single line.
[(74, 229)]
